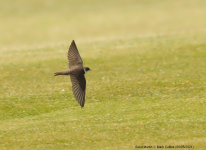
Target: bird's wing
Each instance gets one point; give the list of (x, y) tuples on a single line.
[(73, 55), (79, 88)]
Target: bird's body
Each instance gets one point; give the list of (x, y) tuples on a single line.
[(76, 71)]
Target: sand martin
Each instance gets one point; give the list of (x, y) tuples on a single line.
[(76, 71)]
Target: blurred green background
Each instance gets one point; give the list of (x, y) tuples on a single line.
[(146, 87), (44, 22)]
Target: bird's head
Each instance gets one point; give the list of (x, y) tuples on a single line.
[(86, 69)]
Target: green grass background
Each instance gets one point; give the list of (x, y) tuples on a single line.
[(148, 80)]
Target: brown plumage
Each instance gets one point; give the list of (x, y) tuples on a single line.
[(76, 71)]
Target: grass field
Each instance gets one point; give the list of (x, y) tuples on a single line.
[(147, 85)]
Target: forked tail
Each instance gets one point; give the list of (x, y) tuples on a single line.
[(65, 72), (57, 73)]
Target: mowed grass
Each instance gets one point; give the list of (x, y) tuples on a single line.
[(147, 85)]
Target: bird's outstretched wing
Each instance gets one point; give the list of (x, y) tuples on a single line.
[(73, 55), (79, 88)]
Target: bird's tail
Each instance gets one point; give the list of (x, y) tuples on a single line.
[(65, 72), (57, 73)]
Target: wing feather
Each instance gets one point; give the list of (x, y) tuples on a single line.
[(73, 55), (79, 88)]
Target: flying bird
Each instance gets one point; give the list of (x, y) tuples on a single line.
[(76, 71)]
